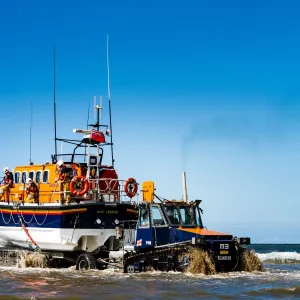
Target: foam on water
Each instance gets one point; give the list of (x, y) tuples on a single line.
[(279, 257), (277, 292)]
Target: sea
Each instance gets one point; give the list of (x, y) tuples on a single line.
[(279, 280)]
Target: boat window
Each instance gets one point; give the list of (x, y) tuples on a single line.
[(17, 177), (46, 176), (186, 215), (38, 176), (24, 176), (31, 175), (157, 218), (144, 217)]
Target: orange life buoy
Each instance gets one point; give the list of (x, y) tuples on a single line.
[(130, 187), (74, 183)]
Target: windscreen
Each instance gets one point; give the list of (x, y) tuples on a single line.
[(198, 216), (186, 215), (172, 214)]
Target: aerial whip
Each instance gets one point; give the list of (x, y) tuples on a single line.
[(109, 104), (30, 129), (54, 100)]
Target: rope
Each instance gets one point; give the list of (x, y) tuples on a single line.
[(109, 263), (75, 223), (12, 216), (40, 224), (28, 234), (3, 218), (25, 220)]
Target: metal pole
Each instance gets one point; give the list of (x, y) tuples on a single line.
[(185, 196), (109, 104), (54, 100)]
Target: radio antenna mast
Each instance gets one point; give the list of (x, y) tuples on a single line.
[(87, 126), (109, 104), (30, 129), (54, 100), (101, 107)]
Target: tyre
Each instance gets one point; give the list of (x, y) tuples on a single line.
[(86, 261), (130, 269)]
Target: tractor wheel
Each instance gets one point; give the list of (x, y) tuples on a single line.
[(130, 269)]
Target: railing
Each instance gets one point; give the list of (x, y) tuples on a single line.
[(100, 190), (111, 190)]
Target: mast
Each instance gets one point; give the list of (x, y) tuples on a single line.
[(54, 100), (87, 127), (30, 129), (97, 109), (109, 105)]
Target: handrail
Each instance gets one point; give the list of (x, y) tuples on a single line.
[(105, 187)]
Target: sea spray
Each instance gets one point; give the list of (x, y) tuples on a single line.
[(22, 259), (9, 258), (200, 263), (249, 261), (32, 259)]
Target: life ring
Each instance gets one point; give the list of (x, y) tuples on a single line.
[(74, 182), (130, 187)]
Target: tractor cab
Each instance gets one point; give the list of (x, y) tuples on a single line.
[(179, 213), (162, 222)]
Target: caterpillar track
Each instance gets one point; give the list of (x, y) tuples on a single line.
[(165, 259)]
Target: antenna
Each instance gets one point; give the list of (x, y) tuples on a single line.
[(107, 63), (101, 102), (30, 128), (95, 111), (54, 100), (88, 116), (109, 104), (87, 126)]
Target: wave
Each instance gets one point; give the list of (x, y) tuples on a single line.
[(279, 257), (277, 292)]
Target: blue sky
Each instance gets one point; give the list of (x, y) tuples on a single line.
[(206, 87)]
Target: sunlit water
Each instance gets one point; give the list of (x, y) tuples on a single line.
[(281, 279)]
